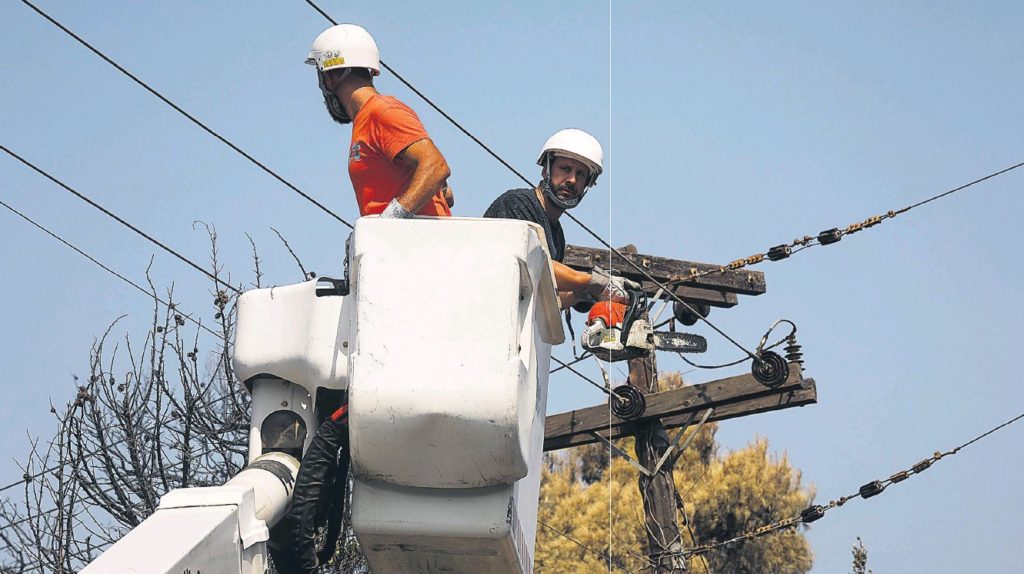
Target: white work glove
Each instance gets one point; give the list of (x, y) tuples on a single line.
[(607, 287), (394, 210)]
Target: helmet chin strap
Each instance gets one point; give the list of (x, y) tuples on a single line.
[(331, 100), (564, 204)]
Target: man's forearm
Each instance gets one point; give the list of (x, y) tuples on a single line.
[(568, 279), (429, 176), (427, 181)]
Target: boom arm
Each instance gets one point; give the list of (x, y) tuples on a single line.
[(219, 529)]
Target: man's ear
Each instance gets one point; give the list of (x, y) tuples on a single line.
[(544, 172)]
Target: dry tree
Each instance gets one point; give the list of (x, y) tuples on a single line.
[(151, 416)]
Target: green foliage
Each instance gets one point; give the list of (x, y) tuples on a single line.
[(596, 501)]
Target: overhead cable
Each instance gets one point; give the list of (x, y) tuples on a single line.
[(867, 490), (27, 518), (108, 270), (209, 130), (181, 111), (429, 101), (829, 236), (120, 220), (601, 555), (600, 239), (26, 478)]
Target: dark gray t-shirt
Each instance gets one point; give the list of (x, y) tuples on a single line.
[(522, 204)]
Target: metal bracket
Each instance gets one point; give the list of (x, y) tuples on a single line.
[(623, 454), (664, 305), (668, 452), (679, 435)]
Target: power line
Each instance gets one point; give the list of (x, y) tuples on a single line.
[(803, 243), (120, 220), (600, 555), (38, 565), (251, 159), (303, 194), (600, 239), (27, 518), (603, 388), (27, 477), (181, 111), (227, 142), (108, 270), (584, 356), (829, 236), (468, 134), (30, 477), (574, 219), (867, 490), (154, 241), (849, 230), (430, 102)]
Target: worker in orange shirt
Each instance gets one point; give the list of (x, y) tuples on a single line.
[(395, 168), (396, 172)]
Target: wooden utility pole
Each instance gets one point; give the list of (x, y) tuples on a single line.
[(727, 398), (657, 487), (657, 490)]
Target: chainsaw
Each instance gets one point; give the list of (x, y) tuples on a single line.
[(619, 332)]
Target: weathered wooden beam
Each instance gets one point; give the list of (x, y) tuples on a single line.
[(696, 294), (732, 397), (805, 394), (742, 282)]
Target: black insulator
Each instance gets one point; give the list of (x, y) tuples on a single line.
[(780, 252), (922, 466), (899, 476), (793, 351), (812, 513), (628, 402), (829, 236), (873, 488), (583, 306), (770, 369), (688, 317)]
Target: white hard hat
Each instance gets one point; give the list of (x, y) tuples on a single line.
[(345, 46), (578, 145)]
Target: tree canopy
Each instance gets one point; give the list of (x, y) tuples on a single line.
[(722, 495)]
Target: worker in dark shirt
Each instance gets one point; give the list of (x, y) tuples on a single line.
[(570, 160)]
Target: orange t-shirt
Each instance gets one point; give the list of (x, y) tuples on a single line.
[(383, 128)]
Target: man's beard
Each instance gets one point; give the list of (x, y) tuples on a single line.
[(337, 112), (552, 194), (565, 187)]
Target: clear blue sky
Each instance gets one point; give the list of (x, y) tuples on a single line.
[(728, 129)]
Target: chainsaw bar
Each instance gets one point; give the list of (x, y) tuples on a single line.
[(680, 342)]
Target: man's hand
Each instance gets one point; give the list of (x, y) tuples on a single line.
[(394, 210), (607, 287), (449, 195)]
